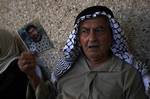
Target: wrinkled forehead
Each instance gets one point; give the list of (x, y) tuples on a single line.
[(99, 19)]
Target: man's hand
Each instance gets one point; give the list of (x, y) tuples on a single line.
[(27, 64)]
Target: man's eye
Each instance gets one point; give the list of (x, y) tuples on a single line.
[(84, 31), (98, 30)]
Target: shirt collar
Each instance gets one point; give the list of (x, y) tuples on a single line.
[(111, 65)]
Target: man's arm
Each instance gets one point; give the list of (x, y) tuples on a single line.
[(39, 87)]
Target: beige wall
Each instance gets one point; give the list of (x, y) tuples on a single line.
[(57, 18)]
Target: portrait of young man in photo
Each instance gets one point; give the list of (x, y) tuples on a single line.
[(35, 37)]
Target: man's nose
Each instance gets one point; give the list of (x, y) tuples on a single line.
[(92, 36)]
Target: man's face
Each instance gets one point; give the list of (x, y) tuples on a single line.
[(33, 34), (95, 37)]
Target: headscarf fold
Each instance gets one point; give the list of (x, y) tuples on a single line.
[(119, 46), (10, 48)]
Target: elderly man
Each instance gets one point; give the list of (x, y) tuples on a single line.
[(95, 63)]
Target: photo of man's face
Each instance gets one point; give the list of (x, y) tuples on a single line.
[(33, 33), (35, 37)]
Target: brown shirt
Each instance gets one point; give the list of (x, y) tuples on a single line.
[(112, 80)]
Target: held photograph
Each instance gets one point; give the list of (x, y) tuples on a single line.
[(35, 37)]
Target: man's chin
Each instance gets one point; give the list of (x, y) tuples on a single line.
[(37, 39), (93, 54)]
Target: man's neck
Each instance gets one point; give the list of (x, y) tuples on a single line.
[(97, 61)]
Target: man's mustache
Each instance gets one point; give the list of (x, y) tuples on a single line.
[(93, 45)]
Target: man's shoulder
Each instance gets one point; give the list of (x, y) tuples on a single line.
[(125, 67)]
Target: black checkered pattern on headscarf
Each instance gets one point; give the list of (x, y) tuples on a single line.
[(119, 47)]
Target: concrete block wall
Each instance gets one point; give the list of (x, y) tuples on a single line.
[(57, 18)]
